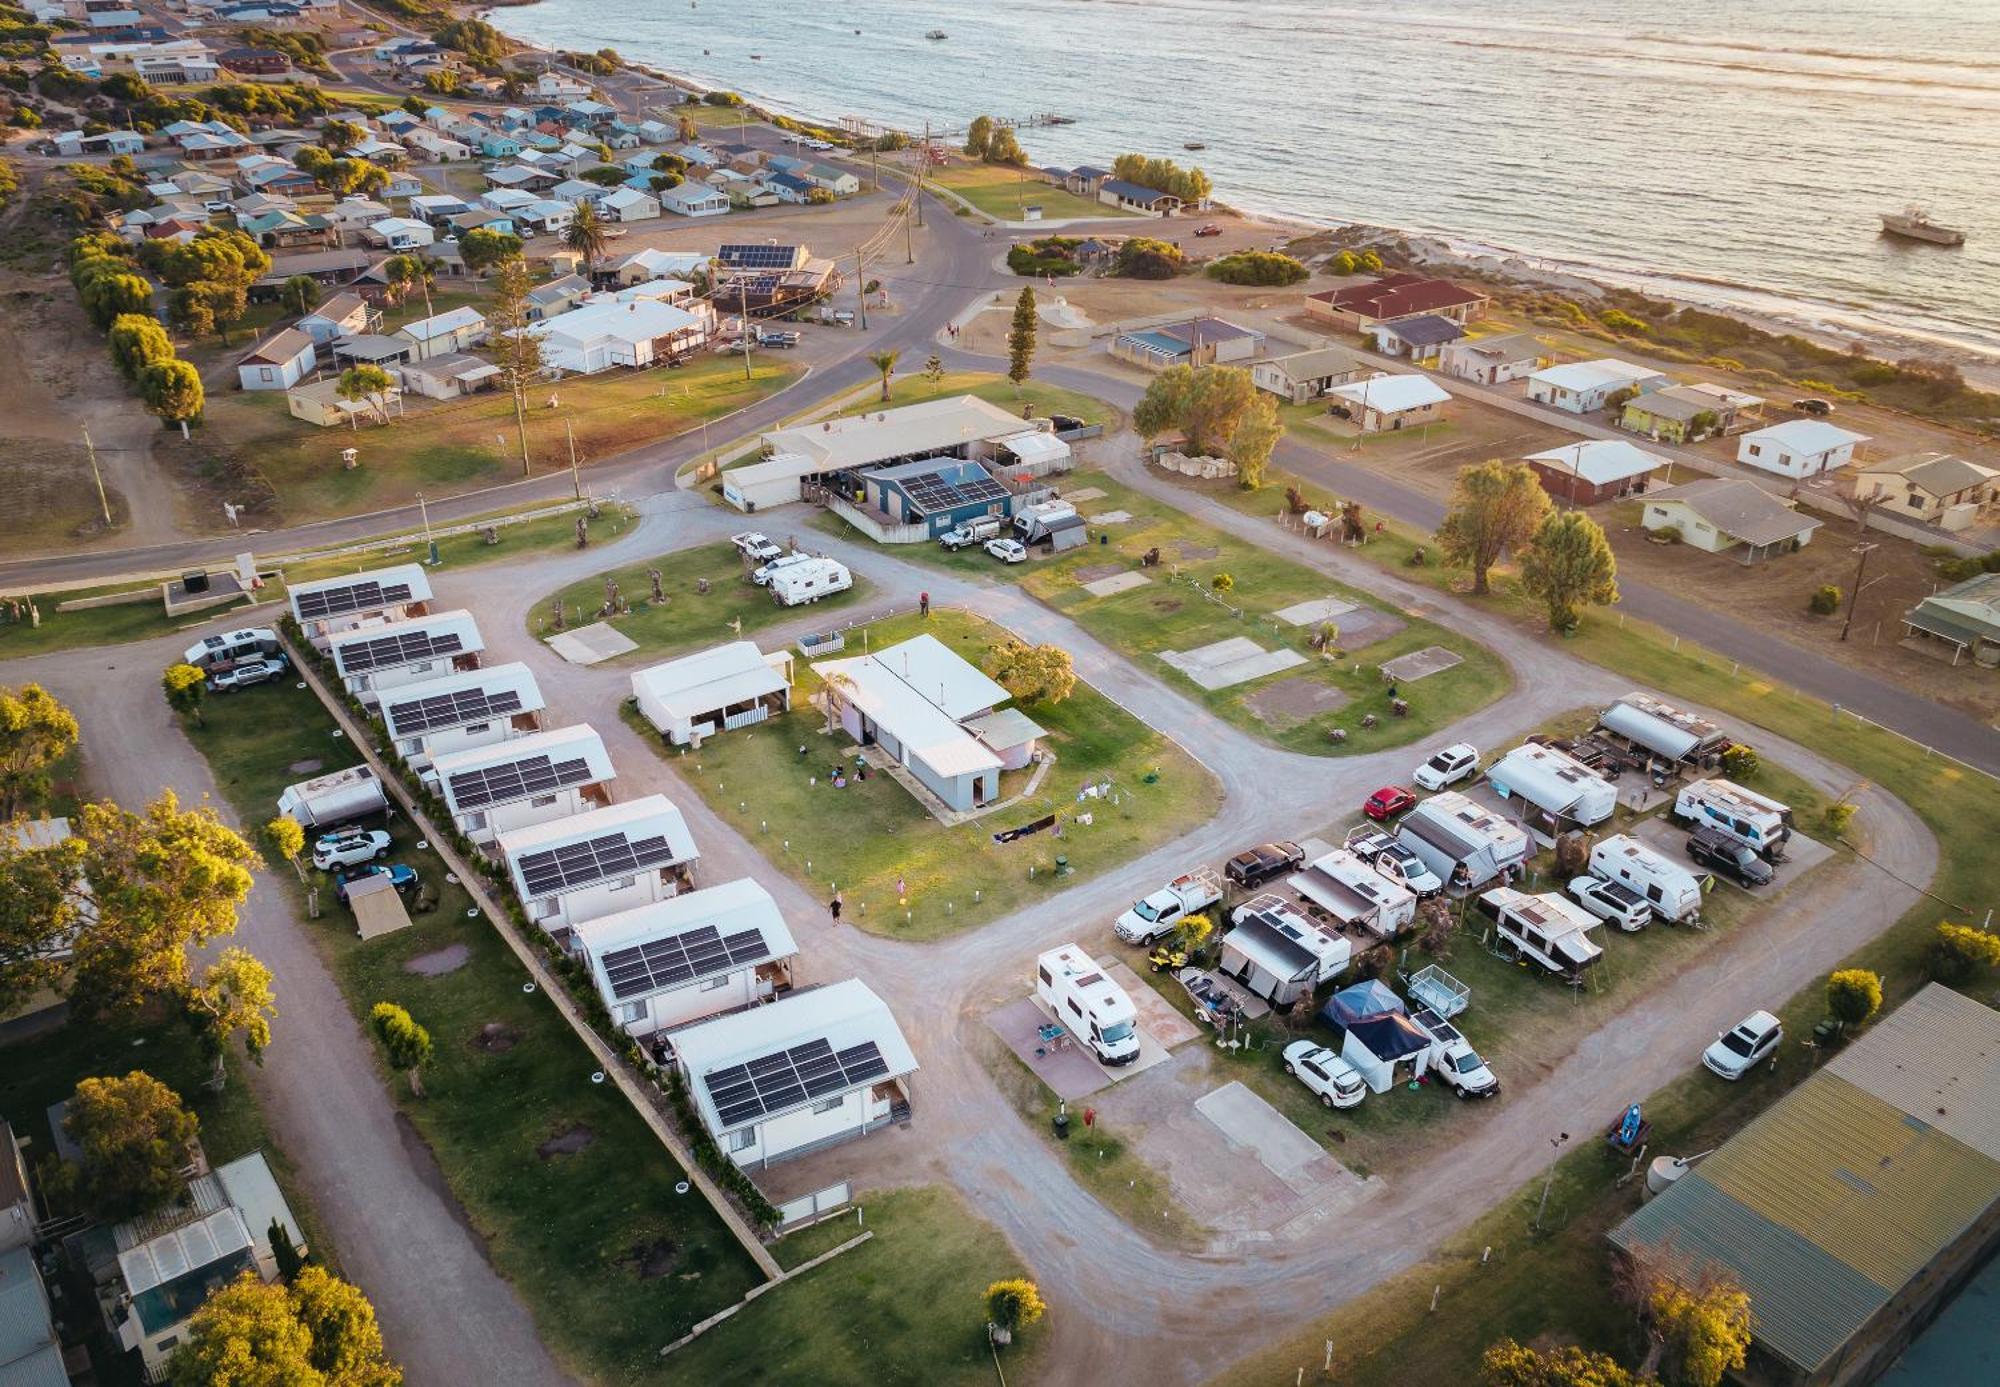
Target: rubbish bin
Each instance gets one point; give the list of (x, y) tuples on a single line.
[(1062, 1126)]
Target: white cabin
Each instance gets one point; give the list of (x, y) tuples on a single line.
[(599, 863), (718, 690), (373, 659), (477, 708), (524, 781), (331, 605), (692, 956)]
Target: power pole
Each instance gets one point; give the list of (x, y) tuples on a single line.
[(743, 314), (861, 290), (103, 502), (1860, 567), (575, 481), (923, 167)]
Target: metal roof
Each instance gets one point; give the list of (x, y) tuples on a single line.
[(709, 679), (1600, 460), (1259, 938), (1808, 436), (374, 591), (1741, 510), (684, 939), (1392, 394), (1936, 1058)]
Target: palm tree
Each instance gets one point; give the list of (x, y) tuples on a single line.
[(885, 362), (586, 237)]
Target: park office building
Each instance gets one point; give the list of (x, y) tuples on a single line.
[(1858, 1204)]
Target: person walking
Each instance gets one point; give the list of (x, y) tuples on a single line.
[(924, 605), (834, 906)]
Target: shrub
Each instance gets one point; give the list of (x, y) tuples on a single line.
[(1836, 817), (1222, 582), (1825, 600), (1618, 320), (1740, 762), (1961, 950), (1853, 995), (1257, 267), (1142, 257), (723, 99)]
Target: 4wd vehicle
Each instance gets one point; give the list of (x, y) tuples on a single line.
[(1460, 1069), (1388, 802), (752, 545), (403, 878), (1157, 914), (1391, 859), (762, 576), (349, 847), (1208, 229), (783, 340), (1255, 866), (967, 533), (1818, 408), (1737, 1052), (1736, 860), (1323, 1072), (1607, 900), (248, 672), (1007, 550), (1448, 767)]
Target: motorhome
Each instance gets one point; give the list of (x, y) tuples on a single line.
[(334, 798), (1653, 728), (1355, 895), (1673, 892), (1278, 953), (1464, 842), (1744, 815), (800, 583), (1555, 791), (213, 654), (1088, 1004), (1548, 929)]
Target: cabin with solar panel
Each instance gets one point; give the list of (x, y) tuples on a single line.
[(696, 955), (598, 863), (809, 1071), (375, 659), (478, 708), (523, 781), (328, 606)]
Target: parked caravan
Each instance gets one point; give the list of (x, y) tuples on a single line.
[(1092, 1007), (1278, 953), (334, 798), (1356, 895), (1555, 791), (1746, 816), (800, 583), (1548, 929), (1653, 728), (1464, 842), (213, 654), (1673, 892)]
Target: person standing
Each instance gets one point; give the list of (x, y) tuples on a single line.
[(834, 906)]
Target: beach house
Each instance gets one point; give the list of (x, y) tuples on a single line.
[(342, 315), (278, 362), (1392, 298), (1936, 488), (1201, 341), (1127, 196), (1301, 376), (692, 956), (1963, 619), (600, 336), (1420, 340), (452, 331), (1491, 360), (1720, 514), (1599, 469), (1581, 387), (1378, 404), (1799, 448)]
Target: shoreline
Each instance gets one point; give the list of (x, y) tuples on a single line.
[(1447, 252)]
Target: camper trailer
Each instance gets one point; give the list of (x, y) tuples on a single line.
[(1655, 729), (337, 797), (1092, 1007), (1464, 842), (1548, 929), (213, 654), (1356, 895), (800, 583), (1554, 790), (1671, 890), (1744, 815), (1278, 953)]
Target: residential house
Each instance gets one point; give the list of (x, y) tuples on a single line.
[(1301, 376), (716, 690), (374, 349), (1581, 387), (921, 704), (1127, 196), (1601, 469), (402, 233), (507, 200), (1719, 514), (757, 255), (1085, 181), (524, 781), (521, 178), (449, 376), (599, 863), (437, 148), (654, 131), (278, 362), (1196, 342), (324, 267), (320, 402), (786, 187), (324, 607), (497, 144), (555, 85), (693, 200), (554, 296), (932, 495), (255, 62), (810, 1070), (1799, 448), (30, 1350), (452, 331), (1379, 404), (1936, 488), (837, 181), (1420, 340), (1491, 360), (696, 955), (278, 178), (461, 711), (437, 208), (629, 205), (577, 191), (387, 153), (1677, 414), (545, 217), (1964, 619), (288, 230), (373, 659), (600, 336), (480, 219), (1393, 297), (356, 214)]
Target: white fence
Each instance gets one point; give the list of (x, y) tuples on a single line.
[(812, 1206)]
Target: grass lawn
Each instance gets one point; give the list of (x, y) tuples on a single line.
[(126, 621), (442, 447), (863, 837), (904, 1307), (689, 619), (1178, 610), (611, 1260), (1002, 192), (998, 390)]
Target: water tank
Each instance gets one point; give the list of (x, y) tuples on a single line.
[(1663, 1172), (195, 580)]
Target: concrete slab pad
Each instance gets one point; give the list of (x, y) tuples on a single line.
[(1111, 517), (1116, 583), (1246, 1120), (1157, 1016), (1419, 664), (593, 644), (1069, 1072), (1314, 612), (1226, 664), (1084, 493)]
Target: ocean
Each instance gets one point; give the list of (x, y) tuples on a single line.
[(1734, 152)]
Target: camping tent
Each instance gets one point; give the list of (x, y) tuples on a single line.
[(1377, 1046), (376, 906), (1361, 1001)]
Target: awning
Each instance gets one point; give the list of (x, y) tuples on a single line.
[(376, 906), (1654, 734)]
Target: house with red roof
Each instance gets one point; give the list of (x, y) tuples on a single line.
[(1394, 298)]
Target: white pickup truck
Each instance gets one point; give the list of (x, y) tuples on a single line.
[(1156, 915)]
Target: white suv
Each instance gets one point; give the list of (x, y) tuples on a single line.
[(1448, 767), (1007, 550), (1735, 1053), (1337, 1082), (1613, 901), (349, 848), (762, 576)]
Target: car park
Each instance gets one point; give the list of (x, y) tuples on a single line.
[(1460, 1069), (1391, 859), (1611, 902), (1007, 550), (1255, 866), (349, 847), (247, 672), (1388, 802), (1326, 1075), (752, 545), (1733, 858), (1448, 767), (1739, 1050), (762, 576), (403, 878)]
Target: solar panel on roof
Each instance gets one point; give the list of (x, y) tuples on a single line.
[(703, 952), (937, 492), (758, 257), (366, 596), (386, 652), (596, 859), (450, 710), (786, 1078), (515, 780)]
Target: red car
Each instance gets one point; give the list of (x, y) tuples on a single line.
[(1208, 229), (1388, 802)]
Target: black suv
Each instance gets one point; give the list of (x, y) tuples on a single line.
[(1258, 865), (1713, 848)]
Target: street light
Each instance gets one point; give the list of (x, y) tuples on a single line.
[(1556, 1143)]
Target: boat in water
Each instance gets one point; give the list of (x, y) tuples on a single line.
[(1914, 223), (937, 34), (1194, 144)]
